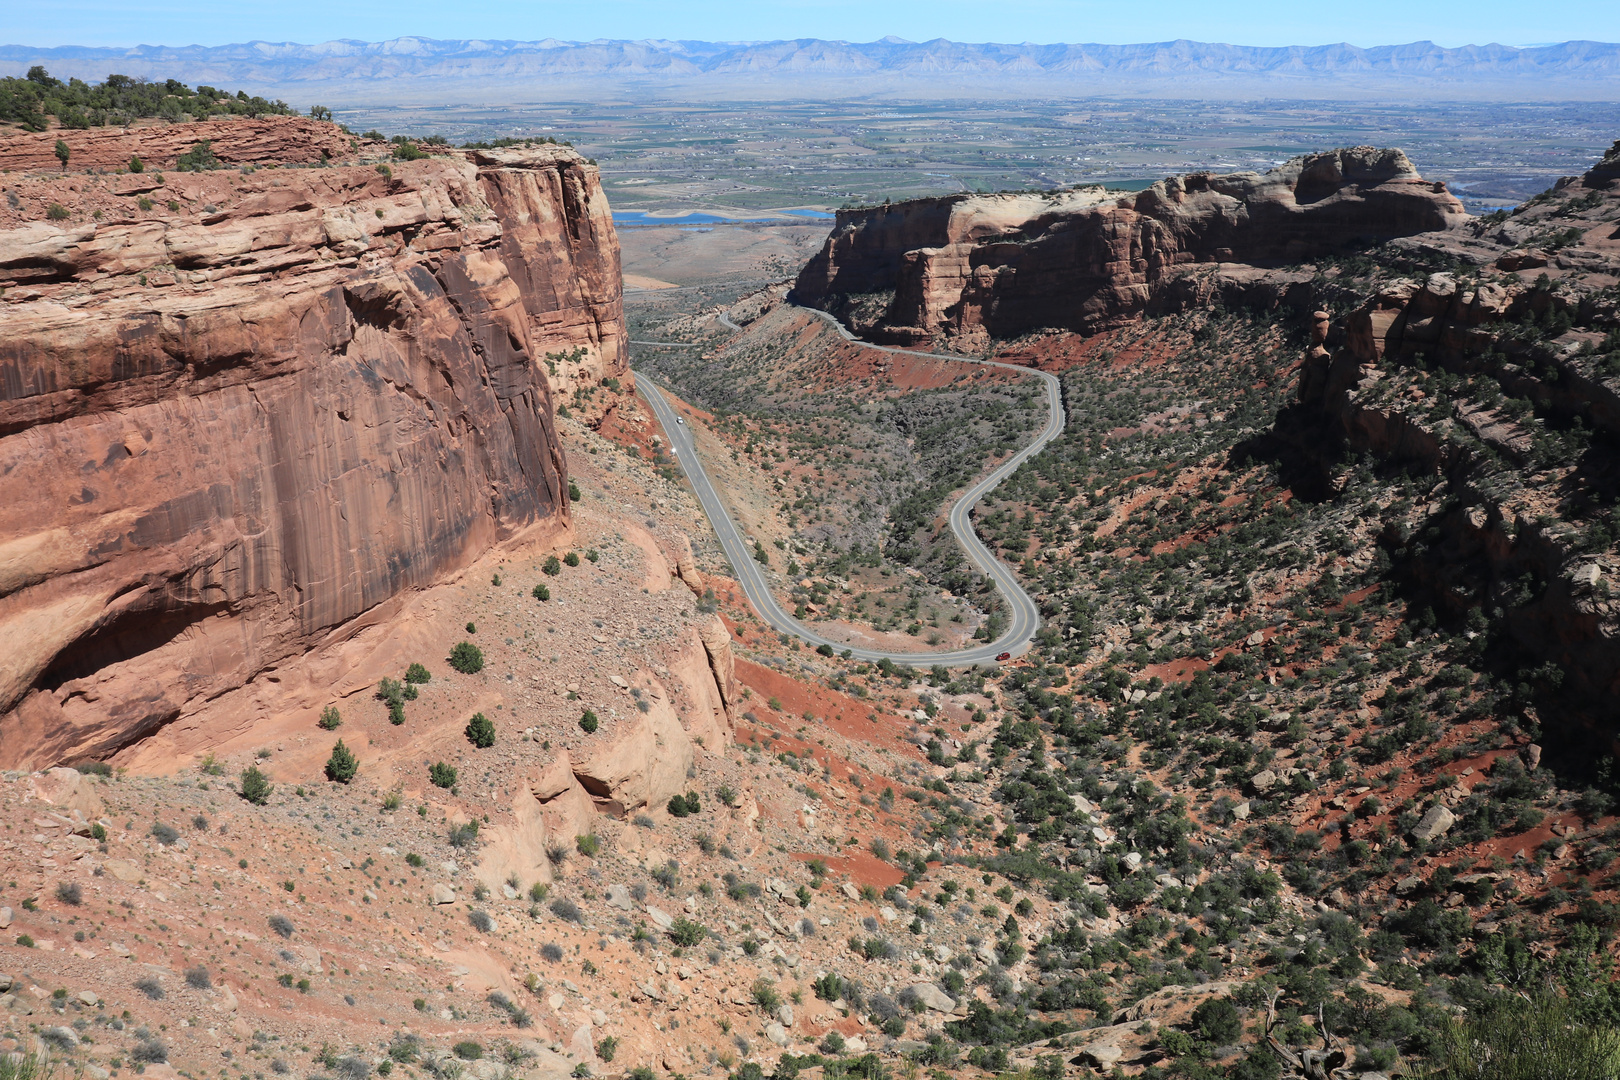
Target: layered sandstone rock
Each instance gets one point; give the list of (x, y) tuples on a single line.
[(268, 140), (228, 431), (973, 266)]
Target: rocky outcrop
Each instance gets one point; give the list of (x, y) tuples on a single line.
[(268, 140), (977, 266), (1499, 542), (229, 430)]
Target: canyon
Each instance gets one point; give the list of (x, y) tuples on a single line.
[(376, 699)]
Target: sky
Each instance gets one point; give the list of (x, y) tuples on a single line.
[(1244, 22)]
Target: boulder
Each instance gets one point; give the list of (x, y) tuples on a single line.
[(776, 1033), (1437, 821), (1263, 781), (784, 1014), (5, 917), (69, 789), (619, 897), (660, 918), (931, 997), (443, 894), (644, 766)]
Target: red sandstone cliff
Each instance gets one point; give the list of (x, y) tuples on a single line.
[(229, 430), (1002, 265)]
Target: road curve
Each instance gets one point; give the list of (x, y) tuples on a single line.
[(1026, 618)]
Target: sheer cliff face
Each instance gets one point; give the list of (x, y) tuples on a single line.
[(1002, 265), (228, 432)]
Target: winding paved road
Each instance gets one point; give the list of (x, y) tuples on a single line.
[(1026, 618)]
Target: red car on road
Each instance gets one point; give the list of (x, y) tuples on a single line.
[(1003, 656)]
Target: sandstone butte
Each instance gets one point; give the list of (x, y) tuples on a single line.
[(973, 267), (239, 430)]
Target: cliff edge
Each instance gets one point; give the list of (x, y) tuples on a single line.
[(995, 266), (240, 409)]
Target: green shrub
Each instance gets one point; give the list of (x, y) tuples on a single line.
[(256, 787), (683, 805), (416, 673), (481, 731), (588, 722), (1217, 1021), (467, 658), (1542, 1037), (199, 158), (589, 845), (57, 212), (330, 718), (144, 203), (766, 997), (466, 1051), (464, 835), (442, 775), (541, 593), (407, 152), (606, 1047), (173, 205), (686, 933), (552, 566), (571, 559), (415, 860), (136, 165), (573, 492), (342, 765)]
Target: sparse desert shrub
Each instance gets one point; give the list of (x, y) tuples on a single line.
[(414, 859), (467, 1051), (480, 921), (552, 952), (766, 997), (150, 1052), (666, 875), (606, 1047), (330, 719), (256, 787), (281, 925), (352, 1068), (70, 892), (538, 891), (465, 835), (198, 978), (57, 212), (686, 933), (467, 658), (342, 766), (481, 731), (391, 800), (726, 794), (880, 848), (150, 987), (164, 834), (442, 775), (589, 845), (567, 910)]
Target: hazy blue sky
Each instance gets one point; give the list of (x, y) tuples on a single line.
[(1247, 22)]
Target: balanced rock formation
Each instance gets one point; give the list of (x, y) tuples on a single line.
[(229, 429), (972, 266)]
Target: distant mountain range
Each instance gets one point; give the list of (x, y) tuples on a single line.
[(421, 69)]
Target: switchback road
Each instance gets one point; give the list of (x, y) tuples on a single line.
[(1026, 618)]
